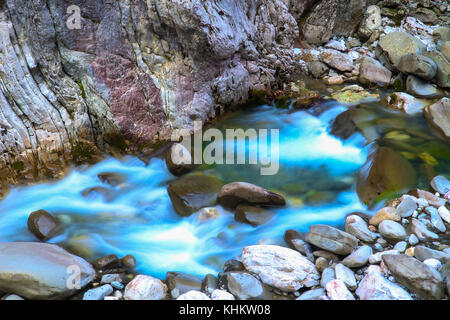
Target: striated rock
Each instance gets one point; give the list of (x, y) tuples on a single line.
[(386, 213), (438, 118), (358, 258), (280, 267), (440, 183), (421, 231), (371, 22), (415, 275), (356, 226), (443, 68), (193, 295), (417, 65), (394, 45), (375, 287), (179, 160), (98, 293), (373, 72), (43, 225), (144, 287), (423, 253), (392, 230), (346, 276), (337, 60), (191, 193), (236, 193), (336, 290), (221, 295), (423, 89), (331, 239), (244, 285), (252, 215), (41, 271), (182, 282)]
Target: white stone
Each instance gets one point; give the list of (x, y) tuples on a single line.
[(193, 295), (221, 295), (376, 257), (280, 267), (400, 246), (412, 240), (345, 275), (144, 287), (444, 213), (336, 290), (434, 263)]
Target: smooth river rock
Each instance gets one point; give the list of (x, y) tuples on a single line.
[(421, 88), (418, 65), (179, 160), (392, 230), (244, 285), (438, 118), (358, 258), (43, 225), (144, 287), (332, 239), (236, 193), (356, 226), (440, 183)]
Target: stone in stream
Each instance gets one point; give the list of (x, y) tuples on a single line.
[(312, 294), (406, 207), (443, 68), (385, 170), (436, 220), (106, 262), (331, 239), (376, 287), (370, 22), (337, 60), (386, 213), (336, 290), (404, 102), (282, 268), (193, 295), (243, 285), (356, 226), (444, 213), (98, 293), (233, 194), (129, 262), (345, 275), (252, 215), (440, 183), (423, 253), (373, 72), (295, 240), (358, 258), (108, 194), (210, 283), (415, 275), (112, 178), (438, 118), (182, 282), (233, 265), (393, 46), (392, 231), (144, 287), (193, 192), (432, 199), (40, 270), (328, 274), (221, 295), (43, 225), (418, 65), (420, 88), (179, 160)]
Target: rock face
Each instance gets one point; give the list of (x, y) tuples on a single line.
[(371, 21), (331, 239), (40, 271), (415, 275), (438, 118), (130, 73), (236, 193), (280, 267)]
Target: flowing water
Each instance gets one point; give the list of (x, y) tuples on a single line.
[(317, 176)]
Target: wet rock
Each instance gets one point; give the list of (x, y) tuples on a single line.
[(295, 241), (404, 102), (358, 258), (252, 215), (210, 283), (438, 118), (221, 295), (392, 230), (43, 225), (356, 226), (111, 178), (144, 287), (386, 213), (331, 239), (129, 262), (443, 68), (98, 293), (280, 267), (318, 69), (406, 207), (385, 170), (182, 282), (373, 72), (440, 183), (244, 285), (375, 287), (179, 160), (353, 94), (415, 275), (421, 88), (436, 220), (423, 253), (236, 193), (432, 199), (191, 193), (346, 276), (421, 231), (328, 274), (418, 65), (370, 22), (233, 265), (40, 270), (313, 294), (394, 45), (106, 262), (336, 290), (337, 60), (193, 295)]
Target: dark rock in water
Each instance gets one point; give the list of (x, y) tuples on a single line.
[(343, 126), (43, 225), (106, 262), (111, 178), (421, 88), (233, 265), (438, 118), (252, 215), (295, 240), (440, 184), (183, 282), (384, 171), (128, 262), (106, 193), (331, 239), (415, 275), (41, 271), (423, 253), (191, 193), (179, 160), (233, 194), (210, 283), (418, 65)]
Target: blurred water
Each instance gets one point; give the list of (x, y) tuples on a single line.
[(140, 220)]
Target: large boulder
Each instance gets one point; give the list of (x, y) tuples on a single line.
[(279, 267), (191, 193), (331, 239), (438, 118), (42, 271), (415, 275), (384, 171), (423, 89), (337, 60), (393, 46), (418, 65), (443, 68), (372, 72)]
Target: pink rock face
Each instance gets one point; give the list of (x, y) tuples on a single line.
[(336, 290)]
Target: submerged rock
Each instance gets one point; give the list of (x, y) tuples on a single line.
[(41, 270), (331, 239), (43, 225), (252, 215)]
